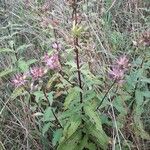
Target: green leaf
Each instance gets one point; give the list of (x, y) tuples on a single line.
[(50, 97), (39, 95), (6, 72), (71, 143), (48, 115), (98, 136), (56, 136), (23, 65), (45, 128), (71, 127), (73, 95), (94, 128), (91, 146), (17, 92), (83, 143)]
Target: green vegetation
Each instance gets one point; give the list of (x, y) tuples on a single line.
[(74, 75)]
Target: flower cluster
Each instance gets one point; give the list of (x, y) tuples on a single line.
[(19, 79), (52, 61), (38, 72), (35, 73), (118, 70)]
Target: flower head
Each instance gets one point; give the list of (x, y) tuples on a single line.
[(122, 62), (116, 73), (37, 72), (118, 70), (52, 61), (19, 80)]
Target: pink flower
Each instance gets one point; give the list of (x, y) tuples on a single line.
[(123, 62), (116, 73), (19, 80), (118, 70), (52, 61), (56, 45), (37, 72)]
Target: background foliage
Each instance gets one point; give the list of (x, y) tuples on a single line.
[(62, 110)]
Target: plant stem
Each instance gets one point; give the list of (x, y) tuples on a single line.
[(106, 95), (76, 45)]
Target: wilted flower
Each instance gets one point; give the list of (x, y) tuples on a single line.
[(19, 80), (52, 61), (38, 72)]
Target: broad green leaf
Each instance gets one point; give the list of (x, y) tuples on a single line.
[(71, 143), (39, 95), (83, 143), (93, 115), (72, 127), (98, 136), (56, 136), (23, 65), (72, 95), (50, 97), (94, 128), (91, 146), (45, 128), (48, 115)]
